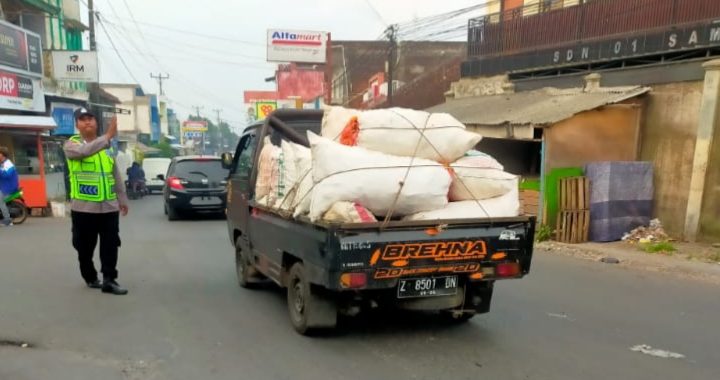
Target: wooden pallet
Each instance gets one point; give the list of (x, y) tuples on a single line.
[(573, 222), (574, 194), (573, 226)]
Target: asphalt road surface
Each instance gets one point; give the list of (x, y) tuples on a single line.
[(186, 318)]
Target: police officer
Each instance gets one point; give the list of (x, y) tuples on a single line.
[(98, 198)]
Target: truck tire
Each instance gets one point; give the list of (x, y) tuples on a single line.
[(248, 277), (309, 311)]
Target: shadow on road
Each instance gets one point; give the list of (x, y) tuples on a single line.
[(381, 321)]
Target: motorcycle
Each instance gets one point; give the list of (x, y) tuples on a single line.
[(136, 192), (16, 205)]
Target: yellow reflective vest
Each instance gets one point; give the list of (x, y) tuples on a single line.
[(91, 178)]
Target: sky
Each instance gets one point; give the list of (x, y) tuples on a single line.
[(214, 50)]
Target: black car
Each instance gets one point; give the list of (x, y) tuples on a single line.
[(194, 183)]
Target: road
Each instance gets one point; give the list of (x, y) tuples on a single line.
[(186, 318)]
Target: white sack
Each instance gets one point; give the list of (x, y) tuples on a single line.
[(268, 157), (479, 159), (372, 179), (474, 181), (288, 177), (348, 212), (303, 163), (397, 131), (507, 205)]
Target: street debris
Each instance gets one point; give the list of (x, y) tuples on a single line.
[(14, 343), (650, 234), (648, 350), (610, 260), (560, 316)]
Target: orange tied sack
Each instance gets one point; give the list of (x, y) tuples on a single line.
[(349, 134)]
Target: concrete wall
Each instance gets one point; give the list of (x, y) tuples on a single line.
[(710, 212), (606, 134), (126, 95), (668, 140), (143, 114)]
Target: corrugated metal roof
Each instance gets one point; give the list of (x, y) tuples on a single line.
[(539, 107)]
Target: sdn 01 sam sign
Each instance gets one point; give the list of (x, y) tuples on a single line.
[(78, 66)]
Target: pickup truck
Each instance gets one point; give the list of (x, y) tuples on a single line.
[(446, 266)]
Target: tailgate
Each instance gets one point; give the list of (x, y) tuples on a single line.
[(482, 250)]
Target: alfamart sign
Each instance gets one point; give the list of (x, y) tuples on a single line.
[(285, 45)]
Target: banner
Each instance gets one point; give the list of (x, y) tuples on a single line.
[(77, 66), (20, 49), (195, 126), (21, 93), (285, 45), (264, 109), (64, 115)]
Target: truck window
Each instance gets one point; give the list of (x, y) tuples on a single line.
[(244, 157)]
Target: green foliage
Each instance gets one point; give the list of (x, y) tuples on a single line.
[(543, 233), (165, 149), (664, 247)]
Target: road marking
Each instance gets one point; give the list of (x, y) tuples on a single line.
[(648, 350)]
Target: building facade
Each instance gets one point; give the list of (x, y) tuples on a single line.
[(667, 45)]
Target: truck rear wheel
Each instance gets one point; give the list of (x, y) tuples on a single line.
[(248, 277), (309, 311)]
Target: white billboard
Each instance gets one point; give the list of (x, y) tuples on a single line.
[(284, 45), (78, 66), (22, 93)]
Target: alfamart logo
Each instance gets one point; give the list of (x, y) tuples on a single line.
[(290, 38)]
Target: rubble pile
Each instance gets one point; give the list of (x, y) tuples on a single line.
[(652, 233)]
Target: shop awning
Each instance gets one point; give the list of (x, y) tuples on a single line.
[(541, 107), (43, 123)]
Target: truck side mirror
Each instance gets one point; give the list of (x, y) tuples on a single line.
[(160, 177), (227, 160)]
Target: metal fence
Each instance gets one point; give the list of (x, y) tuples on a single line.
[(553, 22)]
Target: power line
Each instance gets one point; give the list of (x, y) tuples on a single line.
[(142, 37), (164, 39), (102, 25), (203, 35), (379, 16)]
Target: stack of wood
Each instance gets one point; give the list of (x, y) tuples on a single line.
[(573, 222)]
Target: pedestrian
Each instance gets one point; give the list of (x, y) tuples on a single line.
[(8, 184), (98, 197), (123, 160)]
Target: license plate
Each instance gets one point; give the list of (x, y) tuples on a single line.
[(205, 201), (427, 287)]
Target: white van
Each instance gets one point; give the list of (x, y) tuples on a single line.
[(152, 168)]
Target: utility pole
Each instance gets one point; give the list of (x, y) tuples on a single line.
[(197, 112), (91, 25), (217, 113), (160, 79), (391, 32)]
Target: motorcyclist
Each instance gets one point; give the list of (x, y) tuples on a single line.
[(136, 177), (8, 184)]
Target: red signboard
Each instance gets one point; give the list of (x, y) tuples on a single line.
[(306, 84)]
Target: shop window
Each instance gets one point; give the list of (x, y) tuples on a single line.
[(25, 154)]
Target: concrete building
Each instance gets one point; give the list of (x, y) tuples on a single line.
[(667, 45), (132, 98), (359, 68)]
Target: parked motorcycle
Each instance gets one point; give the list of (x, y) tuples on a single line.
[(16, 205)]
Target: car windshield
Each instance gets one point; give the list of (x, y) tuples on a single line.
[(210, 169)]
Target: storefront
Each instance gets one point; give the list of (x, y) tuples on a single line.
[(23, 136)]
